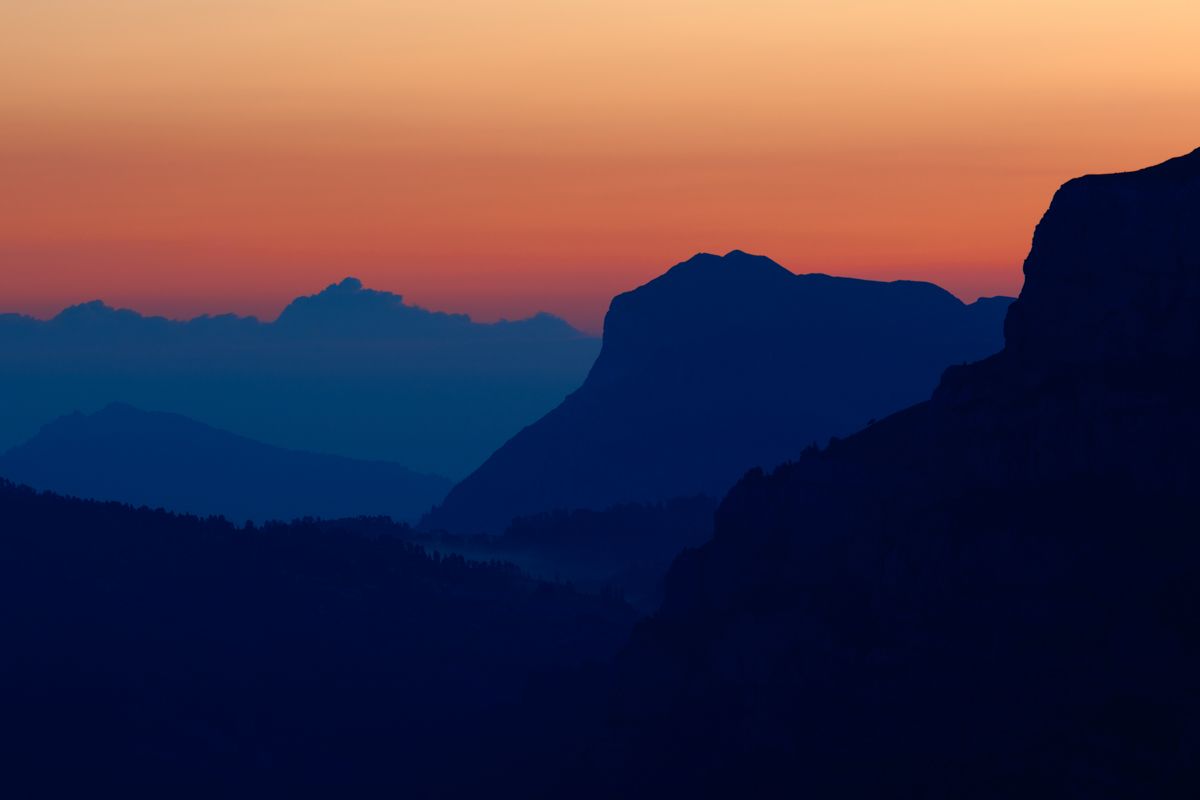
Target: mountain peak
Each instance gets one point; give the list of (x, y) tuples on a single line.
[(349, 307), (349, 289), (98, 313), (91, 308), (721, 364), (348, 286), (734, 263)]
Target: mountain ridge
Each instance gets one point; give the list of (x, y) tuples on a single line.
[(347, 370), (699, 379), (349, 288), (158, 459)]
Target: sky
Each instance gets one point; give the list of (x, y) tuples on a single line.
[(499, 158)]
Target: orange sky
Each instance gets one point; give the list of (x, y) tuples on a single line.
[(181, 156)]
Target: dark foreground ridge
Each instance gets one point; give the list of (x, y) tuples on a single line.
[(147, 654), (717, 366), (995, 593)]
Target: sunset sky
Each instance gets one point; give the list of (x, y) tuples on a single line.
[(183, 156)]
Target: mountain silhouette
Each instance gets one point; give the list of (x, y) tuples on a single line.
[(166, 460), (994, 593), (349, 309), (720, 365), (349, 370), (148, 654)]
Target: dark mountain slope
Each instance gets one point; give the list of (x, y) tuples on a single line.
[(624, 550), (995, 593), (168, 461), (719, 365), (152, 655)]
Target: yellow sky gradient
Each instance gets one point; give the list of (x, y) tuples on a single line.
[(181, 156)]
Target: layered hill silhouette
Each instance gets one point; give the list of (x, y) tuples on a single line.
[(994, 593), (350, 370), (169, 461), (720, 365)]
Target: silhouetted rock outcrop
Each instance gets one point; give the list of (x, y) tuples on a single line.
[(348, 370), (994, 593), (717, 366), (1130, 247), (165, 460)]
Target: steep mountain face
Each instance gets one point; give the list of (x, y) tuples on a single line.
[(349, 370), (1128, 244), (994, 593), (169, 461), (720, 365)]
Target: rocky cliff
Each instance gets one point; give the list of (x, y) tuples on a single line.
[(722, 364), (994, 593)]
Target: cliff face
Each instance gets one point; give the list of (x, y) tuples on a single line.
[(992, 593), (1114, 273), (722, 364)]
